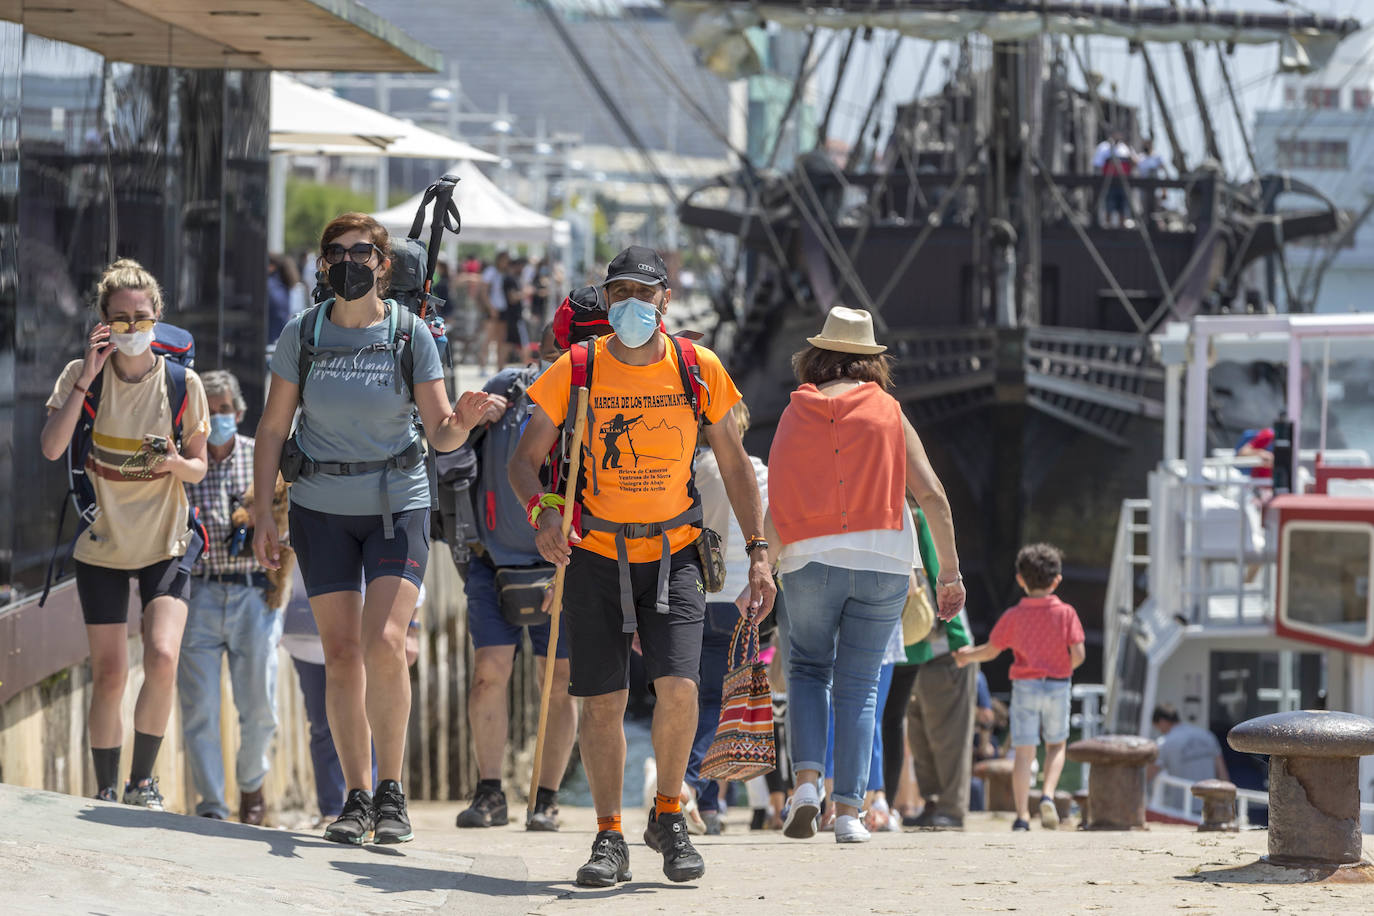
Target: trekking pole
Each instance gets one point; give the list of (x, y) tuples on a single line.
[(556, 606)]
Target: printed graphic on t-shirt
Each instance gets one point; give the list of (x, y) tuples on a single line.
[(645, 449), (364, 368)]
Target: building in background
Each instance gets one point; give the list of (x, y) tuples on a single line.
[(144, 136), (1324, 135)]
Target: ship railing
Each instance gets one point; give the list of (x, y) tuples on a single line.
[(1129, 562), (1171, 797)]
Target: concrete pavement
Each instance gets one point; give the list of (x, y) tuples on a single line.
[(61, 854)]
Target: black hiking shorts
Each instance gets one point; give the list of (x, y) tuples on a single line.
[(599, 649)]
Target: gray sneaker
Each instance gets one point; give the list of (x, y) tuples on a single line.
[(143, 795)]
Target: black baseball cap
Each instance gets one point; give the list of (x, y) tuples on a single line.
[(640, 264)]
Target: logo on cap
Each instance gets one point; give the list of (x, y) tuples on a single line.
[(647, 268)]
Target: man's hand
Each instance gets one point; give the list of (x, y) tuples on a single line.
[(495, 409), (949, 598), (762, 590), (552, 545)]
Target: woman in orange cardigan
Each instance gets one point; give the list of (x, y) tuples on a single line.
[(841, 462)]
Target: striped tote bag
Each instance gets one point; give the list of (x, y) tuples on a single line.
[(743, 747)]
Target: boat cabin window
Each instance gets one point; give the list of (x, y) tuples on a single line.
[(1327, 568)]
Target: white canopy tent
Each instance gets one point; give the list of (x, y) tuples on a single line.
[(489, 214)]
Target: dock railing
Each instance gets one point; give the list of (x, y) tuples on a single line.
[(1171, 797)]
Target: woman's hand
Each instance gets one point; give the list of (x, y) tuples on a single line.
[(495, 409), (266, 546), (473, 408), (949, 598), (98, 352)]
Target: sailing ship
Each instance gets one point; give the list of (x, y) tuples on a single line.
[(1018, 311)]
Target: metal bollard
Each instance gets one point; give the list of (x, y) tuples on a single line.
[(996, 774), (1218, 805), (1116, 782), (1314, 793)]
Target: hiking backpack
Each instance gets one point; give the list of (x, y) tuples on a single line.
[(178, 348)]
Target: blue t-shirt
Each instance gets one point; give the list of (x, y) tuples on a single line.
[(351, 411)]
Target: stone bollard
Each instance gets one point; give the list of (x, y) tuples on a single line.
[(1314, 791), (1218, 805), (996, 775), (1063, 803), (1081, 799), (1116, 782)]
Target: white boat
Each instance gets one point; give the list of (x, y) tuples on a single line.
[(1226, 600)]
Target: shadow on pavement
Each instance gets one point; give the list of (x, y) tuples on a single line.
[(1261, 872), (400, 879), (282, 843)]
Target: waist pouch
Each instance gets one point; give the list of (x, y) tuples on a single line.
[(522, 590), (712, 561)]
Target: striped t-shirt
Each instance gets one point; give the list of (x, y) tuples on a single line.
[(142, 517)]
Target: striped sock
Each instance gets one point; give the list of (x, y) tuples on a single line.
[(667, 804), (609, 822)]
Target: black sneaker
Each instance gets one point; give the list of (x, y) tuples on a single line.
[(544, 819), (610, 861), (1020, 824), (392, 822), (667, 834), (488, 809), (354, 824)]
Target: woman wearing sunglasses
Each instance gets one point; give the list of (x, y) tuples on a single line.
[(360, 505), (137, 473)]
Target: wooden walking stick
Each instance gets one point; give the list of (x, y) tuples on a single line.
[(556, 606)]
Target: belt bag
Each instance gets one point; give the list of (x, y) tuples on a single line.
[(712, 561), (523, 591)]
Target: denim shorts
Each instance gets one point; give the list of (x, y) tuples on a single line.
[(1039, 707), (488, 626)]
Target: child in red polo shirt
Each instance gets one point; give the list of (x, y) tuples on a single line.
[(1046, 638)]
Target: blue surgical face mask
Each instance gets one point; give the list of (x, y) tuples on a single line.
[(634, 321), (223, 426)]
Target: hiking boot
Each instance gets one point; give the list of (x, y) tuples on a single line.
[(392, 822), (544, 819), (667, 834), (354, 824), (107, 794), (1049, 814), (610, 861), (252, 808), (488, 809), (143, 795)]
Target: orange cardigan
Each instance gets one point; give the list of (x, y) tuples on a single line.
[(837, 464)]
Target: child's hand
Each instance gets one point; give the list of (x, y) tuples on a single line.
[(963, 656)]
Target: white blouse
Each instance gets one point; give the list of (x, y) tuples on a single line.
[(885, 550)]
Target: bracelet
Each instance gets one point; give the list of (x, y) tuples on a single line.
[(958, 577), (754, 543), (77, 387), (536, 506)]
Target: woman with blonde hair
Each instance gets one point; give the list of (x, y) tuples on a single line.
[(142, 452), (358, 367), (842, 459)]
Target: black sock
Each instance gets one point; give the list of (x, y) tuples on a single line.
[(145, 755), (543, 796), (106, 761), (492, 784)]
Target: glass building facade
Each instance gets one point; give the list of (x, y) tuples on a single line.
[(102, 160)]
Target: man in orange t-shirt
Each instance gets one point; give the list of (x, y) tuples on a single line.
[(635, 566)]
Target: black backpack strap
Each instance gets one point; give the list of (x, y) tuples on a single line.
[(177, 396), (305, 356), (403, 342), (80, 492)]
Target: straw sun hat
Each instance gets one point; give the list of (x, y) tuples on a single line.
[(847, 331)]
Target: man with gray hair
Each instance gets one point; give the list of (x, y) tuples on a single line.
[(228, 612)]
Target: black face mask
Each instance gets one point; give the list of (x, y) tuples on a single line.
[(351, 280)]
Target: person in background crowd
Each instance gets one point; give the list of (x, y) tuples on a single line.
[(1046, 637), (228, 614), (492, 295), (841, 461), (442, 287), (637, 568), (508, 541), (142, 530), (1186, 751), (721, 616), (360, 505), (285, 294), (301, 640), (1115, 160), (517, 340)]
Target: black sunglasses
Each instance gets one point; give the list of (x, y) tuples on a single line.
[(334, 253)]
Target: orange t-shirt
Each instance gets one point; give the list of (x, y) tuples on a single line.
[(641, 437)]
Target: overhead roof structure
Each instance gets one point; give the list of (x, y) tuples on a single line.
[(239, 34)]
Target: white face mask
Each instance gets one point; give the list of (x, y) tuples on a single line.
[(133, 343)]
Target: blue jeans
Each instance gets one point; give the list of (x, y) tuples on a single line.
[(875, 763), (721, 618), (840, 621), (230, 618)]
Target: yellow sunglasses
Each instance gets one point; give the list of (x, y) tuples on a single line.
[(119, 326)]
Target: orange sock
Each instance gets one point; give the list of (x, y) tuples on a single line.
[(667, 804), (610, 822)]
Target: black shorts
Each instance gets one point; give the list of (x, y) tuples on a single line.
[(104, 592), (515, 326), (338, 552), (599, 649)]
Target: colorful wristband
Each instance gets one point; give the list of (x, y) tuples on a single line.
[(538, 504)]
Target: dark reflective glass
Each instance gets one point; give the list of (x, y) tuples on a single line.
[(243, 327), (11, 55)]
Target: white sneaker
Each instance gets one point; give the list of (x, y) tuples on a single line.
[(850, 829), (1049, 814), (802, 813)]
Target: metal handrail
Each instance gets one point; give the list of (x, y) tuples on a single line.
[(1165, 786)]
